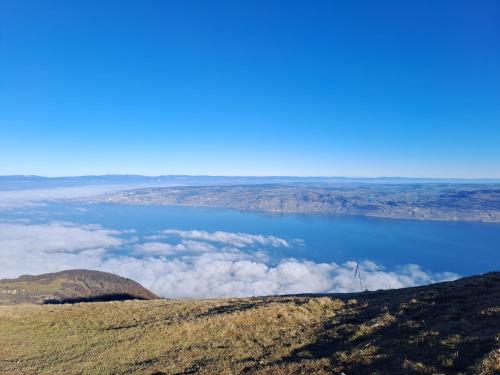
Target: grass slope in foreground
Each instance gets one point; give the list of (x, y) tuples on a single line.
[(446, 328)]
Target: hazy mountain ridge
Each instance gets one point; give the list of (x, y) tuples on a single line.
[(36, 182)]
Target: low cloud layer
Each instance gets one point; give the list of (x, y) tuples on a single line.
[(239, 240), (200, 264), (185, 246), (10, 199), (55, 238)]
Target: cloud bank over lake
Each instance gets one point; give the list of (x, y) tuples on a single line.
[(191, 263), (11, 199)]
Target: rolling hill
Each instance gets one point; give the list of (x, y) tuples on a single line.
[(69, 287)]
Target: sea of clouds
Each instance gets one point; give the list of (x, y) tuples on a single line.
[(15, 199), (178, 264)]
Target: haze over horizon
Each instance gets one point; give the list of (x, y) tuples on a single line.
[(257, 177), (250, 89)]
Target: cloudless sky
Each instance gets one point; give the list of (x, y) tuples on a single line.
[(262, 87)]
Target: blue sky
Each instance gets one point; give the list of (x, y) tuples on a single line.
[(358, 88)]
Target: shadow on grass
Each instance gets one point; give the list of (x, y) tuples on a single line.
[(100, 298), (413, 331)]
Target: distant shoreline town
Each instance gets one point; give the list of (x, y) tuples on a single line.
[(385, 197), (447, 202)]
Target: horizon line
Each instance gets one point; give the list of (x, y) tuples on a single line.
[(247, 176)]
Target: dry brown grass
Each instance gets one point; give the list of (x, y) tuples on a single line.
[(447, 328)]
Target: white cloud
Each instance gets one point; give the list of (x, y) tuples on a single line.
[(239, 240), (34, 197), (55, 237), (199, 269), (162, 248)]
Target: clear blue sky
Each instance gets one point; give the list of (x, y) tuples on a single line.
[(351, 88)]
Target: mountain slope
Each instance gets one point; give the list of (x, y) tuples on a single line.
[(446, 328), (71, 286)]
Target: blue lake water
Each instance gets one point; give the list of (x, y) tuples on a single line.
[(460, 247)]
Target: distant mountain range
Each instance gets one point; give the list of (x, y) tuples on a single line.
[(37, 182)]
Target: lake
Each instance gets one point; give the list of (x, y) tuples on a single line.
[(462, 248)]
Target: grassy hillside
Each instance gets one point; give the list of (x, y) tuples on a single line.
[(447, 328), (70, 286)]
